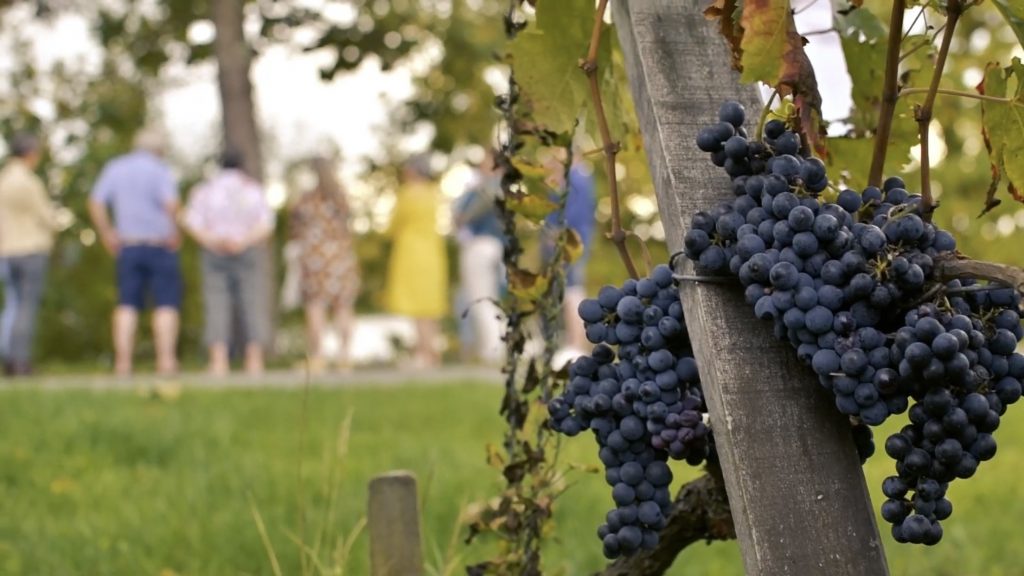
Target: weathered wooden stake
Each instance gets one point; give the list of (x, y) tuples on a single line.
[(795, 486), (394, 523)]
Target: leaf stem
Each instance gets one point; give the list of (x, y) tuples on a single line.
[(589, 66), (890, 93), (920, 14), (923, 113), (962, 94)]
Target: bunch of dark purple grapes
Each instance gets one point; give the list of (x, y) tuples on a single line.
[(639, 392), (963, 374), (837, 280)]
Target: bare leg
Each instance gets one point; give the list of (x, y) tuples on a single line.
[(344, 324), (427, 354), (316, 318), (575, 334), (165, 338), (125, 322), (253, 359), (220, 363)]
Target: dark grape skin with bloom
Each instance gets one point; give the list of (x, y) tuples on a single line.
[(639, 392), (836, 278)]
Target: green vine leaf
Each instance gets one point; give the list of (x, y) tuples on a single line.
[(850, 156), (546, 59), (864, 39), (527, 286), (1013, 13), (533, 207), (573, 248), (1003, 124), (767, 34)]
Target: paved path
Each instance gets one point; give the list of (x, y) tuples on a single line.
[(286, 379)]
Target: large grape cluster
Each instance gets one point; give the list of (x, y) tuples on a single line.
[(851, 285), (963, 382), (639, 392)]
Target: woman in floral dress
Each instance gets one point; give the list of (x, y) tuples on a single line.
[(319, 225)]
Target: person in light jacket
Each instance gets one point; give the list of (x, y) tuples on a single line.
[(28, 225)]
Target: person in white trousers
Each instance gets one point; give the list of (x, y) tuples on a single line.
[(481, 268)]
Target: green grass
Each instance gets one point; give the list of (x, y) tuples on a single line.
[(114, 483)]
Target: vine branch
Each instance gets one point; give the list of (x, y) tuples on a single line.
[(958, 267), (923, 113), (611, 148), (890, 93)]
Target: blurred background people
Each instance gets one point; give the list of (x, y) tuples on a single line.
[(28, 224), (579, 216), (141, 190), (417, 274), (228, 216), (481, 271), (329, 269)]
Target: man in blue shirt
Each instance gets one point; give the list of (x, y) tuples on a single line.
[(142, 192)]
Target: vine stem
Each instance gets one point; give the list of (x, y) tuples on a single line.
[(962, 94), (923, 113), (611, 149), (764, 115), (890, 93)]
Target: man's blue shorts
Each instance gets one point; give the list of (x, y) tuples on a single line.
[(152, 269)]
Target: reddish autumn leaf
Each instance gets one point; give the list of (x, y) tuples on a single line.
[(727, 13)]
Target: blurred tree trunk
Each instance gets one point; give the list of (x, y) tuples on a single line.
[(241, 133), (234, 59)]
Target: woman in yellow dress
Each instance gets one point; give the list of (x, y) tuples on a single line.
[(417, 284)]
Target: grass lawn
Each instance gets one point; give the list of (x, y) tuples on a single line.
[(99, 483)]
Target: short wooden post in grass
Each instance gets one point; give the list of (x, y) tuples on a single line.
[(393, 518), (796, 490)]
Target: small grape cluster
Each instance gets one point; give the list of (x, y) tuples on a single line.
[(835, 278), (731, 149), (642, 399)]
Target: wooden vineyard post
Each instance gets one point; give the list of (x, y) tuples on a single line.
[(393, 518), (797, 493)]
